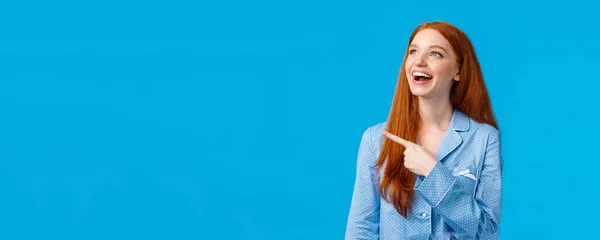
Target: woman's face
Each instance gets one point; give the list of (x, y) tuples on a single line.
[(431, 65)]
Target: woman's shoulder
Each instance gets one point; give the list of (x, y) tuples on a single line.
[(370, 146), (483, 131), (373, 134), (378, 128)]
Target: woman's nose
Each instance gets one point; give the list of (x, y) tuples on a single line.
[(421, 60)]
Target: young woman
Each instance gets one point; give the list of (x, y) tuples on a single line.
[(433, 169)]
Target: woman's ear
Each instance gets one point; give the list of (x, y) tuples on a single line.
[(456, 77)]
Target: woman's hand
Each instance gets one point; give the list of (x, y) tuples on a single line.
[(417, 159)]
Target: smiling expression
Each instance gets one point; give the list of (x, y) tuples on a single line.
[(431, 65)]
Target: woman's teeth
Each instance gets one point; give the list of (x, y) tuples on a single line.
[(419, 76)]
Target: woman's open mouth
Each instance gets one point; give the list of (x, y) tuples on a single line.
[(421, 77)]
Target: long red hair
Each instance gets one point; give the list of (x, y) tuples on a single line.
[(468, 95)]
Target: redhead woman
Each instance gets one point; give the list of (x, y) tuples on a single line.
[(433, 170)]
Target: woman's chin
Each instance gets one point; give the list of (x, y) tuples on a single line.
[(419, 92)]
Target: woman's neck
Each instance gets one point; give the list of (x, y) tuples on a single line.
[(435, 115)]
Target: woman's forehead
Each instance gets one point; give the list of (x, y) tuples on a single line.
[(429, 37)]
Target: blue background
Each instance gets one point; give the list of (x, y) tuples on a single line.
[(242, 119)]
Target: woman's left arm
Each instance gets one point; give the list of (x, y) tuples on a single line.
[(471, 217)]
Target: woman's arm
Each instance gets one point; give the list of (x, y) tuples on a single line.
[(363, 220), (471, 217)]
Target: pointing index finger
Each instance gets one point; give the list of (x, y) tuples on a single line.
[(405, 143)]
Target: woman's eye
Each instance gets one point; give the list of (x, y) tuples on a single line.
[(436, 54), (412, 51)]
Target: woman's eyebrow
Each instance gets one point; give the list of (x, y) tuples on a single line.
[(432, 46), (438, 46)]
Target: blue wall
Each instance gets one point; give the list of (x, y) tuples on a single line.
[(242, 119)]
